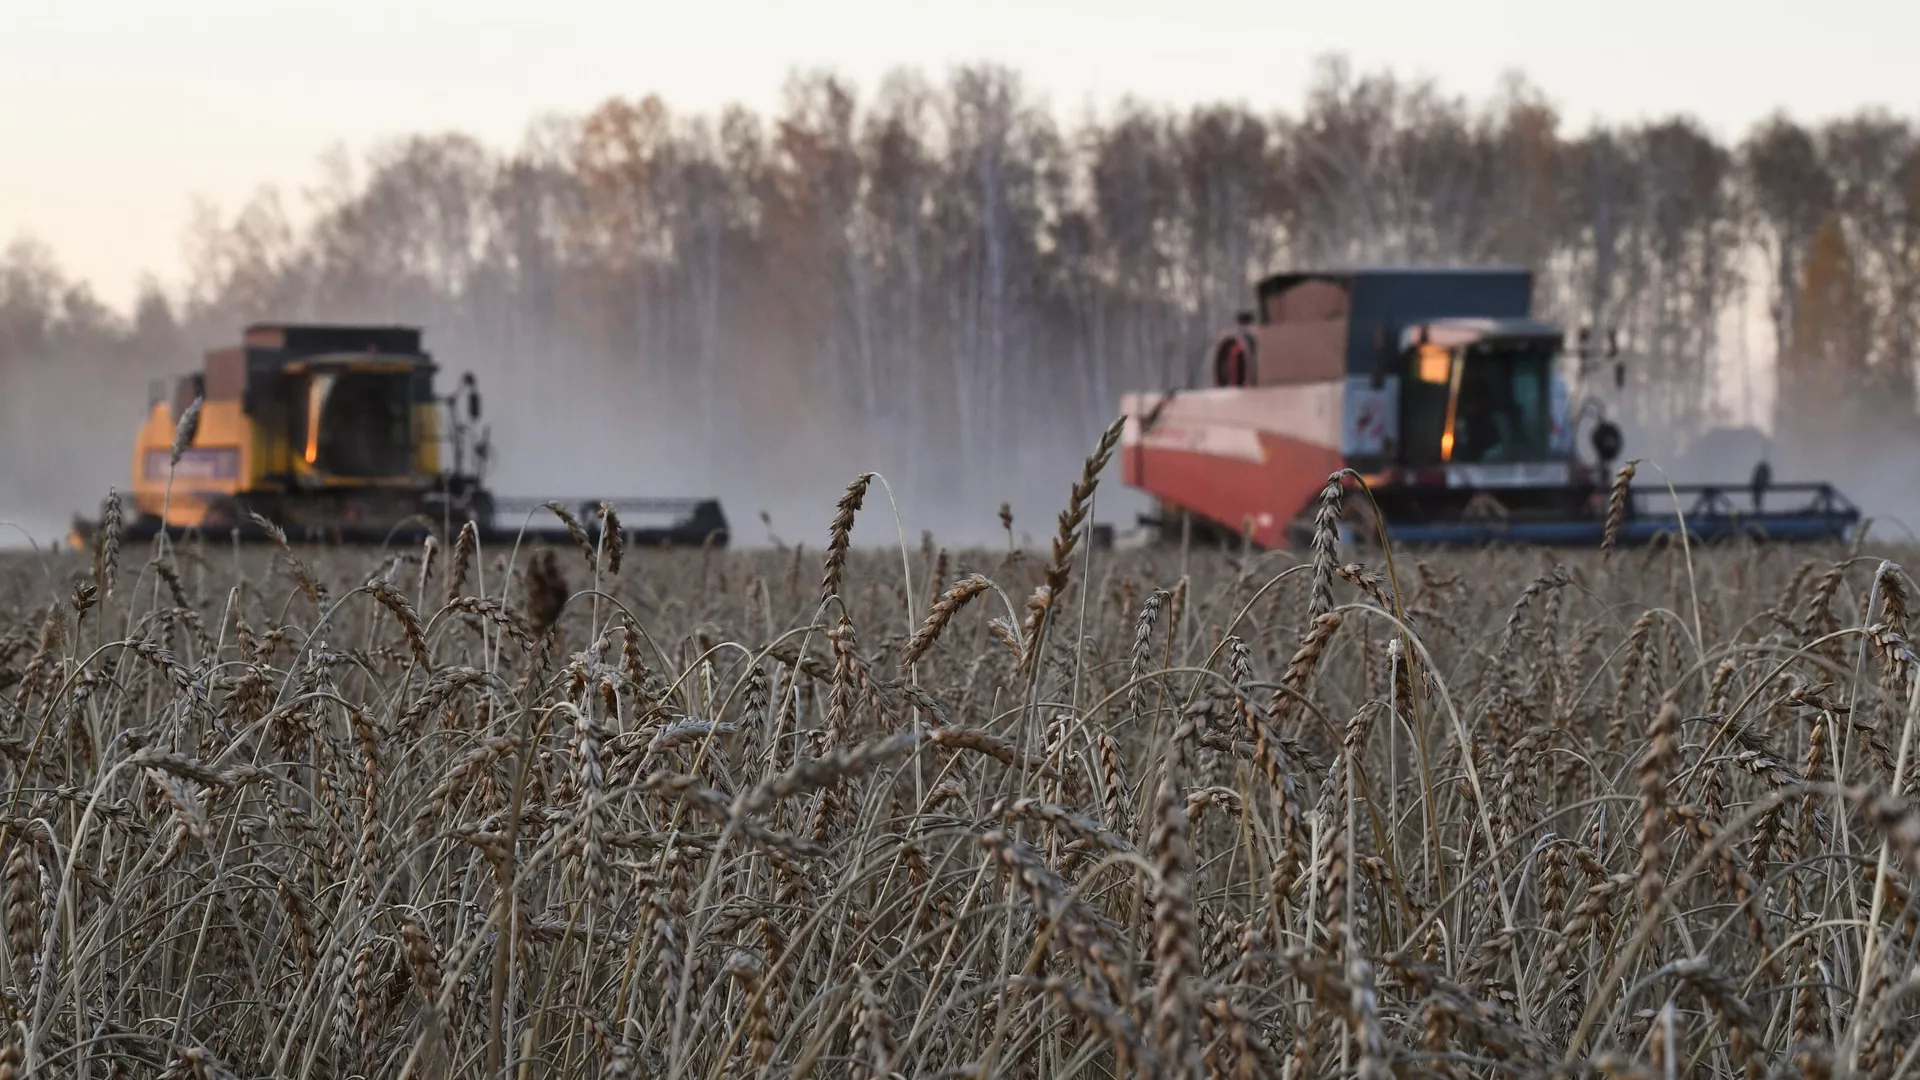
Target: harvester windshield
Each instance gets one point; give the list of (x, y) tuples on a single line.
[(357, 423), (1478, 404)]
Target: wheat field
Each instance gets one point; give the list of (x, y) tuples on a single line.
[(889, 810)]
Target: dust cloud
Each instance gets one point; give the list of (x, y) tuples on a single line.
[(562, 427), (1878, 470), (1873, 462), (67, 432)]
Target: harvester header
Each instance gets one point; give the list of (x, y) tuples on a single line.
[(1440, 387)]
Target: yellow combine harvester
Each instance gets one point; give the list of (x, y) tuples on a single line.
[(336, 433)]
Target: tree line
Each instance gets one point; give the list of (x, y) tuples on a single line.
[(951, 280)]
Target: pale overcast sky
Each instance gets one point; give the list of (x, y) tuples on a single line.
[(115, 114)]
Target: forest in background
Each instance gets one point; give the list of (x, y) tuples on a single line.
[(951, 282)]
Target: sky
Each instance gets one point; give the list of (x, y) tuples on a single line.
[(117, 115)]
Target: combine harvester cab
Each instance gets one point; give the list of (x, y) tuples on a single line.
[(335, 433), (1448, 396)]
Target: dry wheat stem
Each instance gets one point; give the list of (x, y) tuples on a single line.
[(754, 833)]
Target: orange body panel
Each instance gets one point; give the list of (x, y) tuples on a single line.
[(213, 469), (233, 455)]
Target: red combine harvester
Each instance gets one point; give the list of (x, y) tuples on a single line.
[(1448, 396)]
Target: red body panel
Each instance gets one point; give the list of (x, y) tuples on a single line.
[(1244, 458), (1231, 490)]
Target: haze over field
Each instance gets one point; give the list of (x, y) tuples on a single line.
[(947, 271)]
